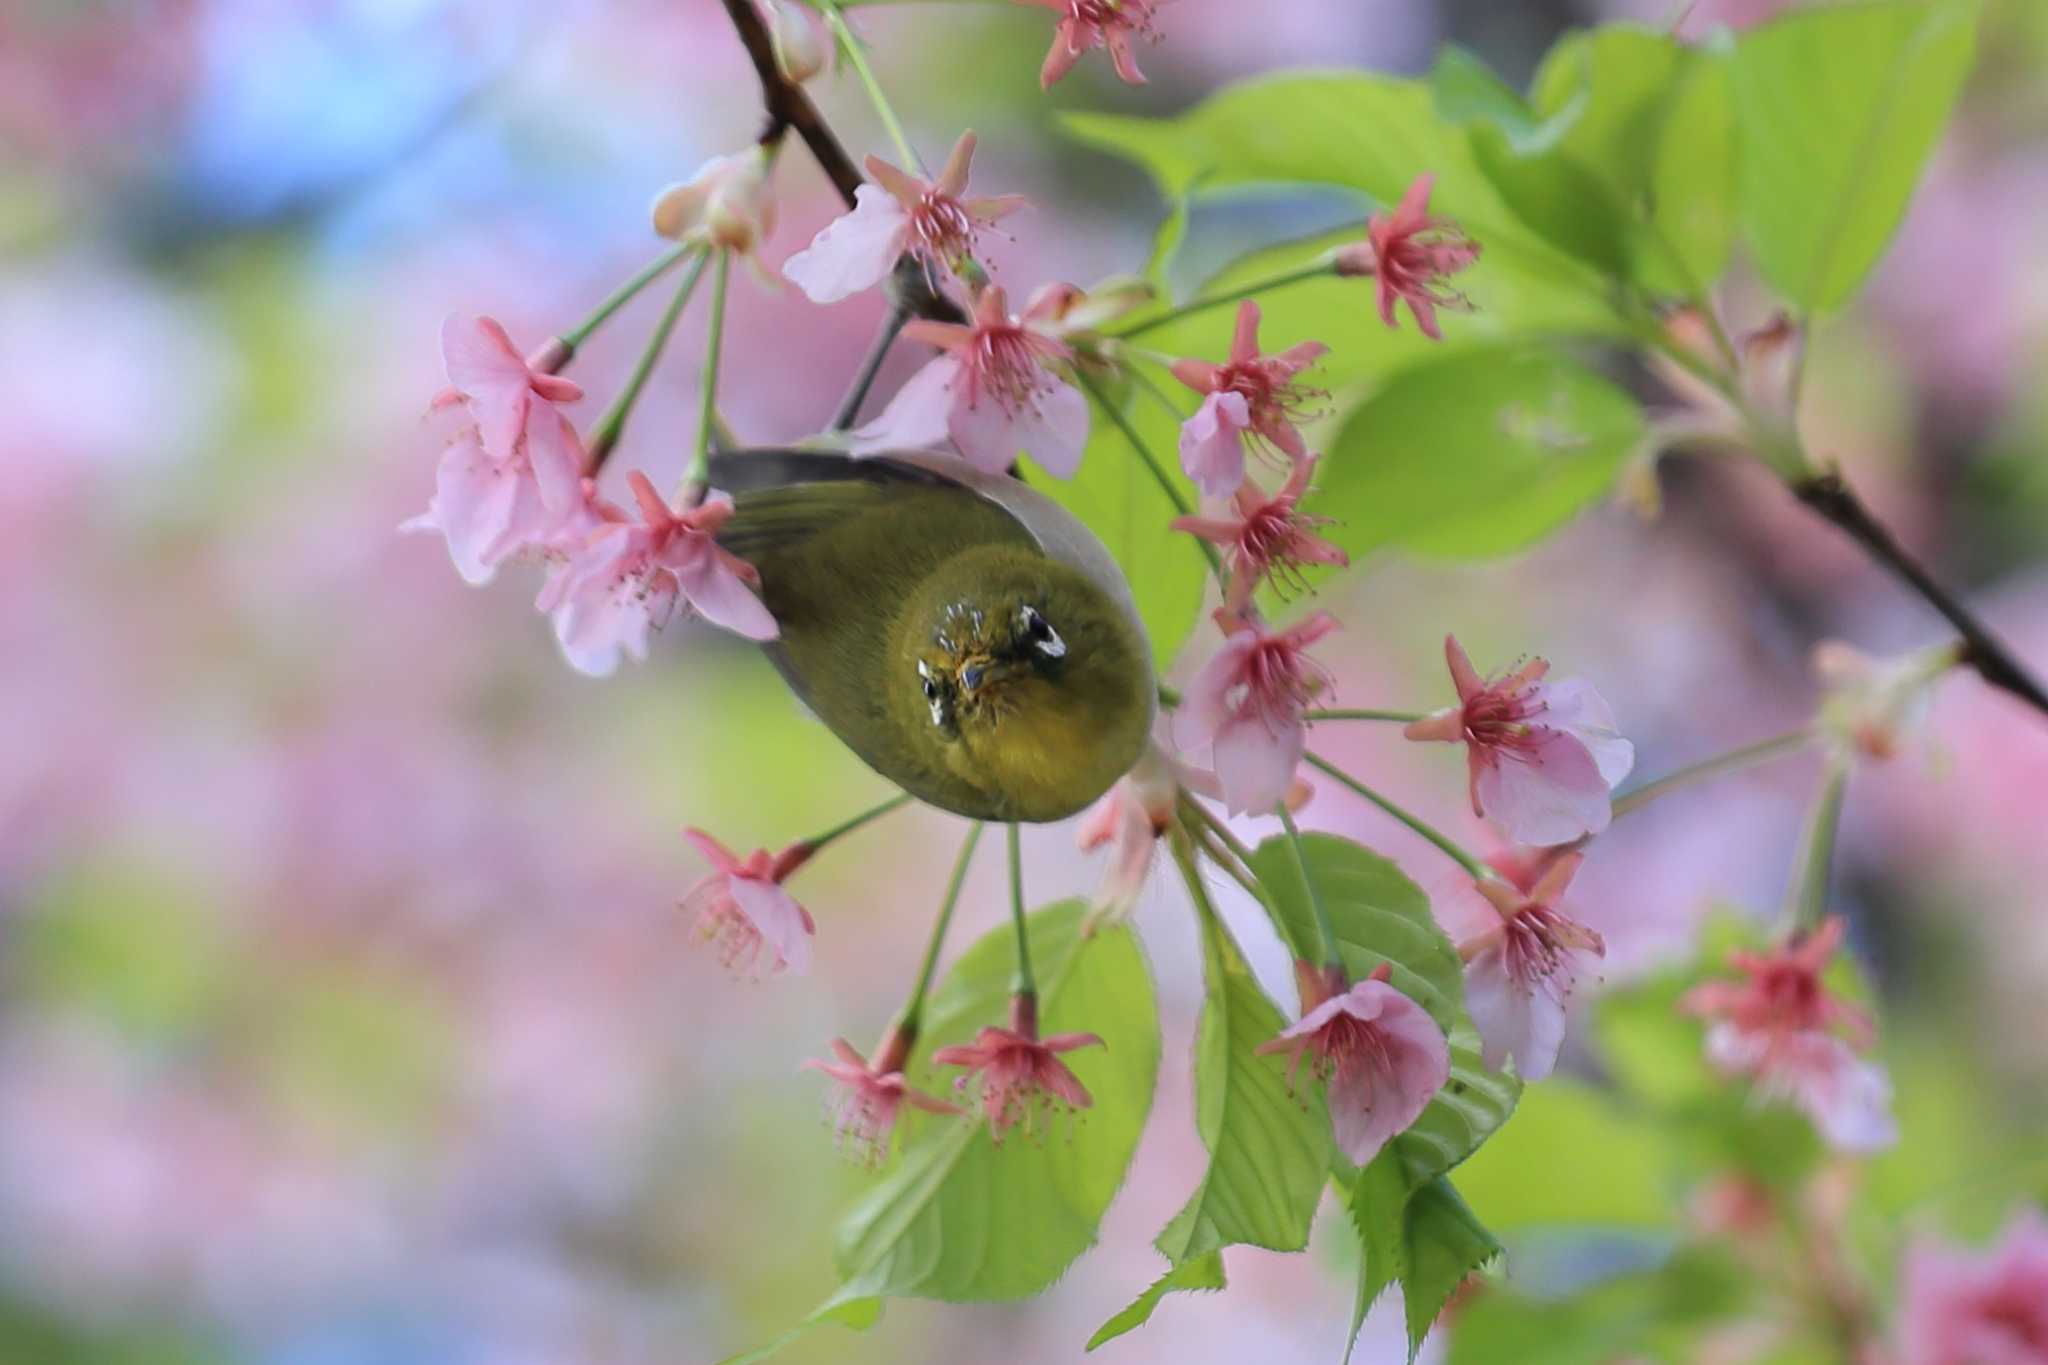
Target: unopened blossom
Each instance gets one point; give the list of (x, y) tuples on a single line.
[(1797, 1041), (868, 1097), (1252, 397), (898, 213), (626, 578), (1520, 970), (1269, 537), (1872, 705), (1086, 24), (1247, 702), (740, 906), (726, 204), (1379, 1054), (797, 38), (992, 392), (1543, 757), (1978, 1308), (1412, 254), (1020, 1074)]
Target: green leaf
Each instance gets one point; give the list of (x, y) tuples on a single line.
[(1692, 182), (1477, 454), (856, 1312), (1269, 1148), (1204, 1272), (1610, 86), (1378, 1198), (1603, 1162), (1424, 1237), (959, 1218), (1835, 110), (1382, 916)]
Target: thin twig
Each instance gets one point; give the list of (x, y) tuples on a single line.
[(787, 104), (870, 366), (1830, 497)]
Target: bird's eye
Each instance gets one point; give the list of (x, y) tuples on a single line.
[(931, 690), (1040, 633)]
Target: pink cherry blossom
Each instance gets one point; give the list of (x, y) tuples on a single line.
[(727, 204), (868, 1099), (1380, 1055), (1412, 254), (1983, 1308), (507, 397), (492, 509), (1247, 702), (741, 906), (626, 577), (1543, 756), (992, 393), (1086, 24), (899, 213), (1020, 1073), (1268, 538), (1797, 1042), (1520, 970), (1249, 397)]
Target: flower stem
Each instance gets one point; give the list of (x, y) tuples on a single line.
[(870, 366), (872, 813), (1807, 902), (1244, 291), (851, 46), (1399, 717), (625, 293), (1478, 870), (714, 343), (1145, 456), (1332, 955), (1735, 760), (913, 1012), (1023, 983), (613, 424)]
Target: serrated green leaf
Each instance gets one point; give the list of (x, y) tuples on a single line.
[(1477, 454), (1445, 1243), (1836, 109), (1118, 498), (1376, 1201), (1692, 183), (1198, 1273), (1269, 1147), (1382, 916)]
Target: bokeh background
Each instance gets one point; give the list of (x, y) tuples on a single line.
[(345, 1011)]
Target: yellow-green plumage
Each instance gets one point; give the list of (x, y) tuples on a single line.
[(975, 652)]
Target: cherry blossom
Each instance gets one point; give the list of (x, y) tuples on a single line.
[(1520, 970), (1985, 1308), (868, 1099), (898, 213), (741, 906), (1268, 538), (726, 204), (1872, 705), (1086, 24), (992, 393), (1412, 254), (1543, 756), (625, 579), (494, 508), (1379, 1054), (1247, 703), (1797, 1041), (1250, 396), (1020, 1073)]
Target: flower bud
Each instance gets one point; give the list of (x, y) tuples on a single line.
[(726, 204), (799, 43)]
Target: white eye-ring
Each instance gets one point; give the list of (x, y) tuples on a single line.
[(1043, 637)]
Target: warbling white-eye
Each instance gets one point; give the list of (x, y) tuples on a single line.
[(962, 633)]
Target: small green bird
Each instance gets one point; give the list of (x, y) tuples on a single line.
[(963, 634)]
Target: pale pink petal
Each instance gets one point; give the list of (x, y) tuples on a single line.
[(779, 918), (486, 369), (1573, 706), (471, 507), (1254, 765), (1518, 1018), (718, 594), (856, 250), (1051, 427), (1550, 792), (918, 417), (556, 456), (1205, 704), (1211, 446)]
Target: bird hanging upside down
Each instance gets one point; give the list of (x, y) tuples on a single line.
[(963, 634)]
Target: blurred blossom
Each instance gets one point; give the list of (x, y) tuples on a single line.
[(1978, 1308)]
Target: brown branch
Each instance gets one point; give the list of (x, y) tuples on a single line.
[(1835, 501), (787, 104)]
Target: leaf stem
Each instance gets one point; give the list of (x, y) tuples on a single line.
[(1353, 713), (714, 344), (1478, 870), (1245, 291), (1332, 956), (844, 827), (851, 46), (612, 425), (625, 293), (1735, 760), (1145, 456), (1023, 983), (913, 1011), (1807, 901)]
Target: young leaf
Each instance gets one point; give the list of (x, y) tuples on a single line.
[(1198, 1273), (1269, 1148), (1836, 109), (1692, 183), (1476, 454), (1445, 1244), (1376, 1201)]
